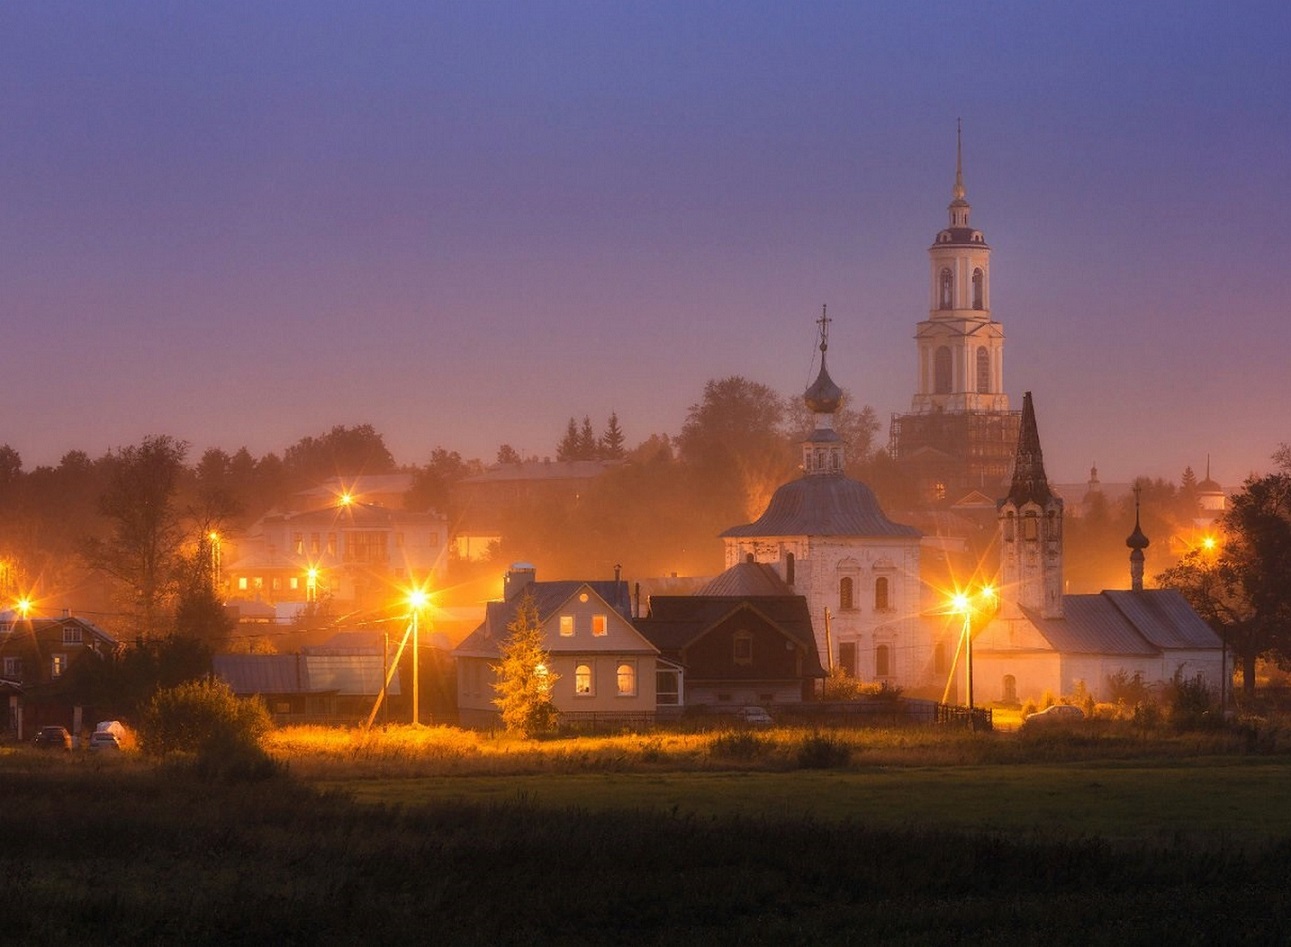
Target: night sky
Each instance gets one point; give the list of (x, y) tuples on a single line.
[(244, 223)]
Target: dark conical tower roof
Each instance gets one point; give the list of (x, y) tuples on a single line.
[(1137, 540), (823, 397), (1029, 481)]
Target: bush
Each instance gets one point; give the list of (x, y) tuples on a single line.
[(205, 718), (822, 751), (1190, 702), (738, 744)]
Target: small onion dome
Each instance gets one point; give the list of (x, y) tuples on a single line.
[(823, 397), (1136, 539)]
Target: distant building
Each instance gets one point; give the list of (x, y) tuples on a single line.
[(482, 503), (352, 544), (744, 638), (959, 434), (829, 540), (1042, 640), (36, 656)]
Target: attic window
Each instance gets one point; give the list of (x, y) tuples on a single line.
[(743, 648), (600, 626), (567, 626), (72, 634)]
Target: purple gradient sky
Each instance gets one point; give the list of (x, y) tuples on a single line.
[(240, 224)]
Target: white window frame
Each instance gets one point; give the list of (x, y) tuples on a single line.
[(631, 668)]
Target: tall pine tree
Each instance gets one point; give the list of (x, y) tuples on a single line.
[(525, 679)]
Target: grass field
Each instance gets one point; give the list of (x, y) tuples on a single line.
[(909, 837)]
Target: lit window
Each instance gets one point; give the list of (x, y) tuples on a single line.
[(293, 583), (257, 582), (242, 583), (583, 680), (600, 626), (743, 647), (72, 634), (298, 543), (627, 677), (567, 626), (58, 664)]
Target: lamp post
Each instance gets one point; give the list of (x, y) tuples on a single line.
[(982, 602), (416, 601)]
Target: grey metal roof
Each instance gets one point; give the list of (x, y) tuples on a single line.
[(344, 674), (1125, 623), (747, 578), (1164, 617), (823, 505)]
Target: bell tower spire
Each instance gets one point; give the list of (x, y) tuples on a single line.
[(1031, 527)]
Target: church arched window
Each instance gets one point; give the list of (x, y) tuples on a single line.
[(788, 568), (946, 289), (983, 370), (979, 280), (846, 601), (882, 661), (881, 598), (941, 371)]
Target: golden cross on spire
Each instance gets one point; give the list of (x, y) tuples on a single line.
[(823, 322)]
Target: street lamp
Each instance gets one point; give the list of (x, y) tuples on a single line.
[(981, 603), (417, 600)]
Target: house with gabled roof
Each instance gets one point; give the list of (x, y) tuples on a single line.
[(603, 668), (36, 656), (744, 638)]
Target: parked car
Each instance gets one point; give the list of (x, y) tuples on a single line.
[(754, 717), (53, 738), (104, 740), (1057, 714)]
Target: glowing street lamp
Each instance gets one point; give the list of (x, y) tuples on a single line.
[(23, 608), (417, 600), (311, 586), (981, 604)]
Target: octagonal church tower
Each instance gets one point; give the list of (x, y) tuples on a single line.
[(826, 536)]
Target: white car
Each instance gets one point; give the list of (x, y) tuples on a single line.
[(1058, 713), (754, 716)]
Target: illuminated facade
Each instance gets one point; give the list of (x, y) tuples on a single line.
[(342, 547), (959, 434), (827, 537), (604, 670)]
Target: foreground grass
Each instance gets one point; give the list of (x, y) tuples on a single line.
[(415, 835), (128, 853)]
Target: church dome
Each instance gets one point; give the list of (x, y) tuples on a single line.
[(823, 506), (823, 397)]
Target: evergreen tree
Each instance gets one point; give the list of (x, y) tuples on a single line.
[(587, 442), (568, 447), (611, 447), (524, 676)]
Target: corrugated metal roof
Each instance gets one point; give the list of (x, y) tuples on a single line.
[(260, 673), (1164, 617), (346, 674), (823, 505), (745, 579)]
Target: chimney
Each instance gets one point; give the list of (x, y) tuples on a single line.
[(518, 577)]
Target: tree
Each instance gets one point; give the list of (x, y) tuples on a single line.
[(735, 442), (508, 455), (611, 445), (432, 485), (524, 675), (141, 551), (342, 451), (587, 441), (1241, 587), (568, 447)]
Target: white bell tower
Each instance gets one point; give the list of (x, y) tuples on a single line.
[(961, 349)]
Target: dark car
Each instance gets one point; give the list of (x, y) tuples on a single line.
[(54, 738)]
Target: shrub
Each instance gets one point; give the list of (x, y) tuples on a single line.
[(738, 744), (1125, 689), (822, 751), (207, 719), (1190, 701), (840, 685)]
